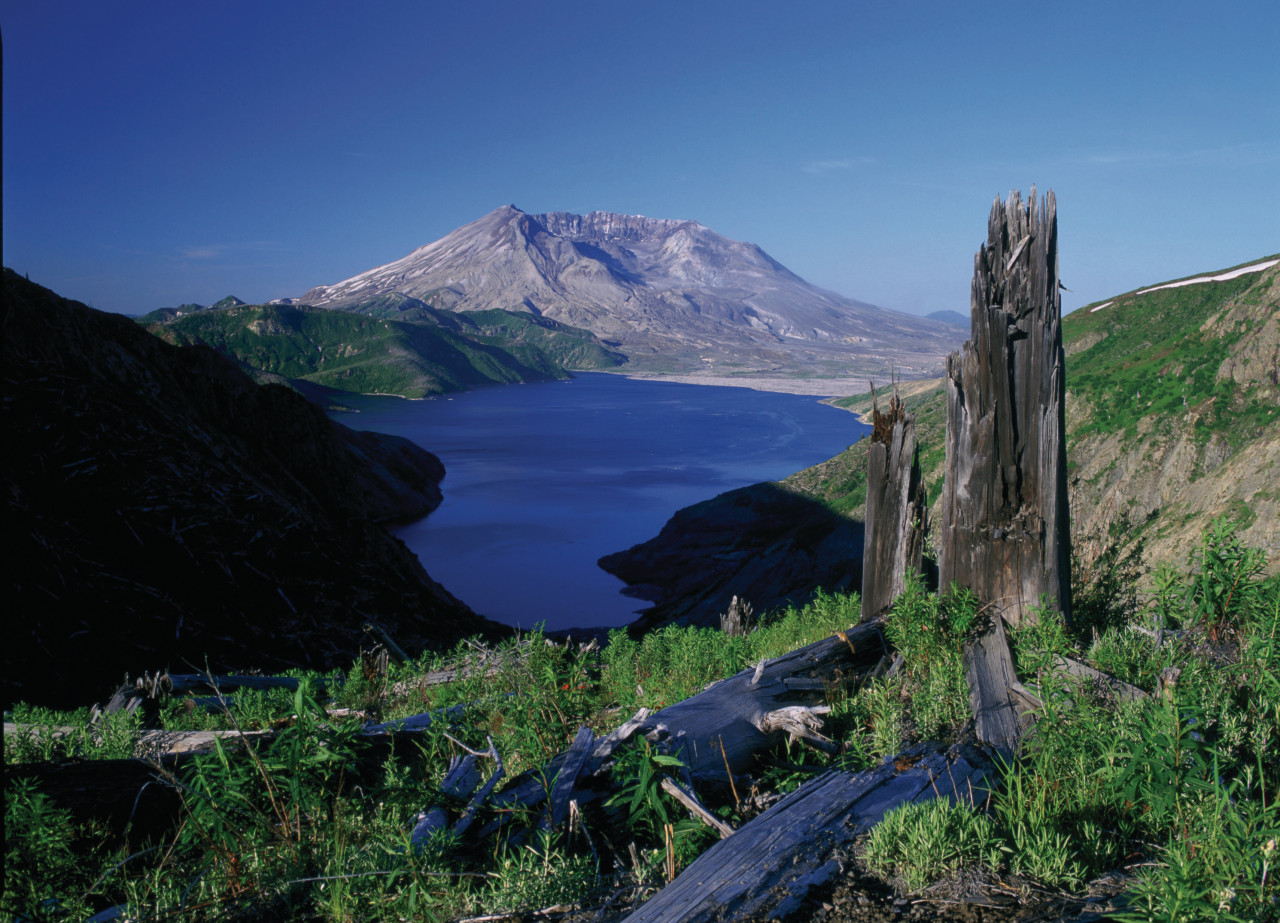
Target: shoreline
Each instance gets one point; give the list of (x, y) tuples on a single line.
[(814, 387)]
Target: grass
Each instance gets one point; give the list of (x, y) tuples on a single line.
[(311, 824)]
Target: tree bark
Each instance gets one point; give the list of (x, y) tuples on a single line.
[(895, 519), (1005, 530)]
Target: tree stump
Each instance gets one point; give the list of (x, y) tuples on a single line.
[(1005, 530), (894, 539)]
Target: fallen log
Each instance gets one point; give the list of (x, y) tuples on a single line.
[(718, 732), (461, 781), (731, 721), (765, 870), (1105, 682), (154, 742)]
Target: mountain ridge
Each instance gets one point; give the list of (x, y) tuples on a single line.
[(671, 294)]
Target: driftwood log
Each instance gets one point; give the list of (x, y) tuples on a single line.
[(1004, 521), (893, 543), (765, 870)]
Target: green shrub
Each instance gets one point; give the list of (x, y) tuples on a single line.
[(928, 630), (46, 874), (922, 842), (1226, 590)]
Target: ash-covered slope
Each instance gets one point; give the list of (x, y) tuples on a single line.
[(161, 508), (672, 295)]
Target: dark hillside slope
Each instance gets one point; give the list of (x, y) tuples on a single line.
[(161, 508)]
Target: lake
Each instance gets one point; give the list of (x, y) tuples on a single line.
[(544, 479)]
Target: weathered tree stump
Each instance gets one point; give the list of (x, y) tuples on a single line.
[(893, 545), (1005, 531)]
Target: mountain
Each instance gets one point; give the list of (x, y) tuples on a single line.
[(435, 353), (951, 318), (163, 315), (164, 510), (671, 295), (1173, 419)]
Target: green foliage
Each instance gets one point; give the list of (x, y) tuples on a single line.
[(1149, 356), (928, 630), (922, 842), (637, 775), (303, 825), (539, 874), (47, 876), (45, 736), (375, 355), (1097, 781), (674, 662), (1225, 589), (1130, 656), (1105, 570)]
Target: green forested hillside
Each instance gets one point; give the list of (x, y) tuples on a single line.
[(440, 353)]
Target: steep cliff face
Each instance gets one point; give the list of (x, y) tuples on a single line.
[(162, 510), (670, 294)]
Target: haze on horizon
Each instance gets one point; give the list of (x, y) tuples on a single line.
[(156, 154)]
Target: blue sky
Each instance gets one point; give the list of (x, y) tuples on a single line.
[(160, 153)]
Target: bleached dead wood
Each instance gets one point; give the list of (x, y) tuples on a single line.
[(765, 870), (755, 708), (695, 807), (562, 790), (459, 782), (1004, 524), (989, 671), (893, 545), (156, 743), (1082, 672)]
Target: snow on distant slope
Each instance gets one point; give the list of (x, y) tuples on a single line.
[(1222, 277)]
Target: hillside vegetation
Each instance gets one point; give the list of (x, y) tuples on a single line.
[(1173, 417), (373, 352), (1156, 808)]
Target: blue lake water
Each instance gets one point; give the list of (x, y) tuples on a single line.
[(544, 479)]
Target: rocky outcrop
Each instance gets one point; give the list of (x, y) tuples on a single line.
[(766, 544), (672, 295), (164, 510)]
